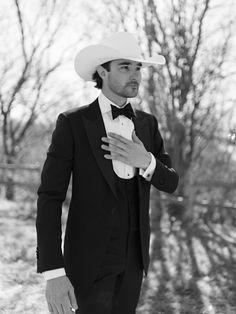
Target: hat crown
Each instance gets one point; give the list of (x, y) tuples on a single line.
[(123, 42)]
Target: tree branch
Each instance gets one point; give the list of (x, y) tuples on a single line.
[(199, 35), (20, 21)]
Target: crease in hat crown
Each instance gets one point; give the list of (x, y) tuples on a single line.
[(122, 45)]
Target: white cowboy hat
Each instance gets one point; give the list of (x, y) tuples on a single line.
[(121, 45)]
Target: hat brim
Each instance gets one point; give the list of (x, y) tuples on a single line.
[(87, 60)]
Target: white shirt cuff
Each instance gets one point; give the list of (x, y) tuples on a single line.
[(54, 273), (147, 174)]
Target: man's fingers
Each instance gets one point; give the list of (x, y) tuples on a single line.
[(120, 138), (113, 148), (135, 137), (117, 136), (116, 157), (54, 309), (60, 295), (59, 308), (50, 309), (73, 299), (115, 142), (105, 147), (66, 306)]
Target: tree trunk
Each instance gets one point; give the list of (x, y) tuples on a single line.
[(10, 186)]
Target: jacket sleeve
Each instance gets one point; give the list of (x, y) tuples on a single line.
[(164, 177), (55, 179)]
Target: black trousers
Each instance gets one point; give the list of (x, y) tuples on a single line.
[(117, 286)]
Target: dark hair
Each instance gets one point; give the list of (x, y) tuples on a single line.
[(96, 77)]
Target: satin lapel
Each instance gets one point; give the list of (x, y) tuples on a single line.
[(141, 129), (96, 130)]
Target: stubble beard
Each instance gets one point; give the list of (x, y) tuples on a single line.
[(129, 91)]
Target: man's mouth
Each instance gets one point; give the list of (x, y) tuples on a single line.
[(133, 85)]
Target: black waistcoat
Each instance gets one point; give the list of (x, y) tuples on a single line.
[(126, 217)]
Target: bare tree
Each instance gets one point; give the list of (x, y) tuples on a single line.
[(29, 61), (193, 77)]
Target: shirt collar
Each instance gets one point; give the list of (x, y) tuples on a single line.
[(105, 103)]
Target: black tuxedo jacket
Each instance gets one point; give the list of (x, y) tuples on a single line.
[(76, 149)]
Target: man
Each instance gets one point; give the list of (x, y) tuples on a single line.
[(114, 154)]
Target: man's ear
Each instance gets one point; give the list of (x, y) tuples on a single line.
[(101, 71)]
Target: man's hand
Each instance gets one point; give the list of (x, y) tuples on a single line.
[(60, 296), (129, 152)]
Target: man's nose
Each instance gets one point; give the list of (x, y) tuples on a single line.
[(135, 75)]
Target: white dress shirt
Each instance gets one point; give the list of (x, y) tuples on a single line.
[(123, 126)]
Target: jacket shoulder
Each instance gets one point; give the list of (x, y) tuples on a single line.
[(150, 118), (75, 112)]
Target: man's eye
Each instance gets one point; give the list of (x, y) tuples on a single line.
[(126, 67)]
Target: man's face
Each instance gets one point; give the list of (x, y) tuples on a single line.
[(124, 78)]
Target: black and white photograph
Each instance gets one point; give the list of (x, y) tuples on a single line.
[(118, 157)]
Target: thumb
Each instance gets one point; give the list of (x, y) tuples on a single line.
[(73, 298), (135, 138)]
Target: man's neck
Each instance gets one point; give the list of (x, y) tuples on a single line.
[(116, 99)]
